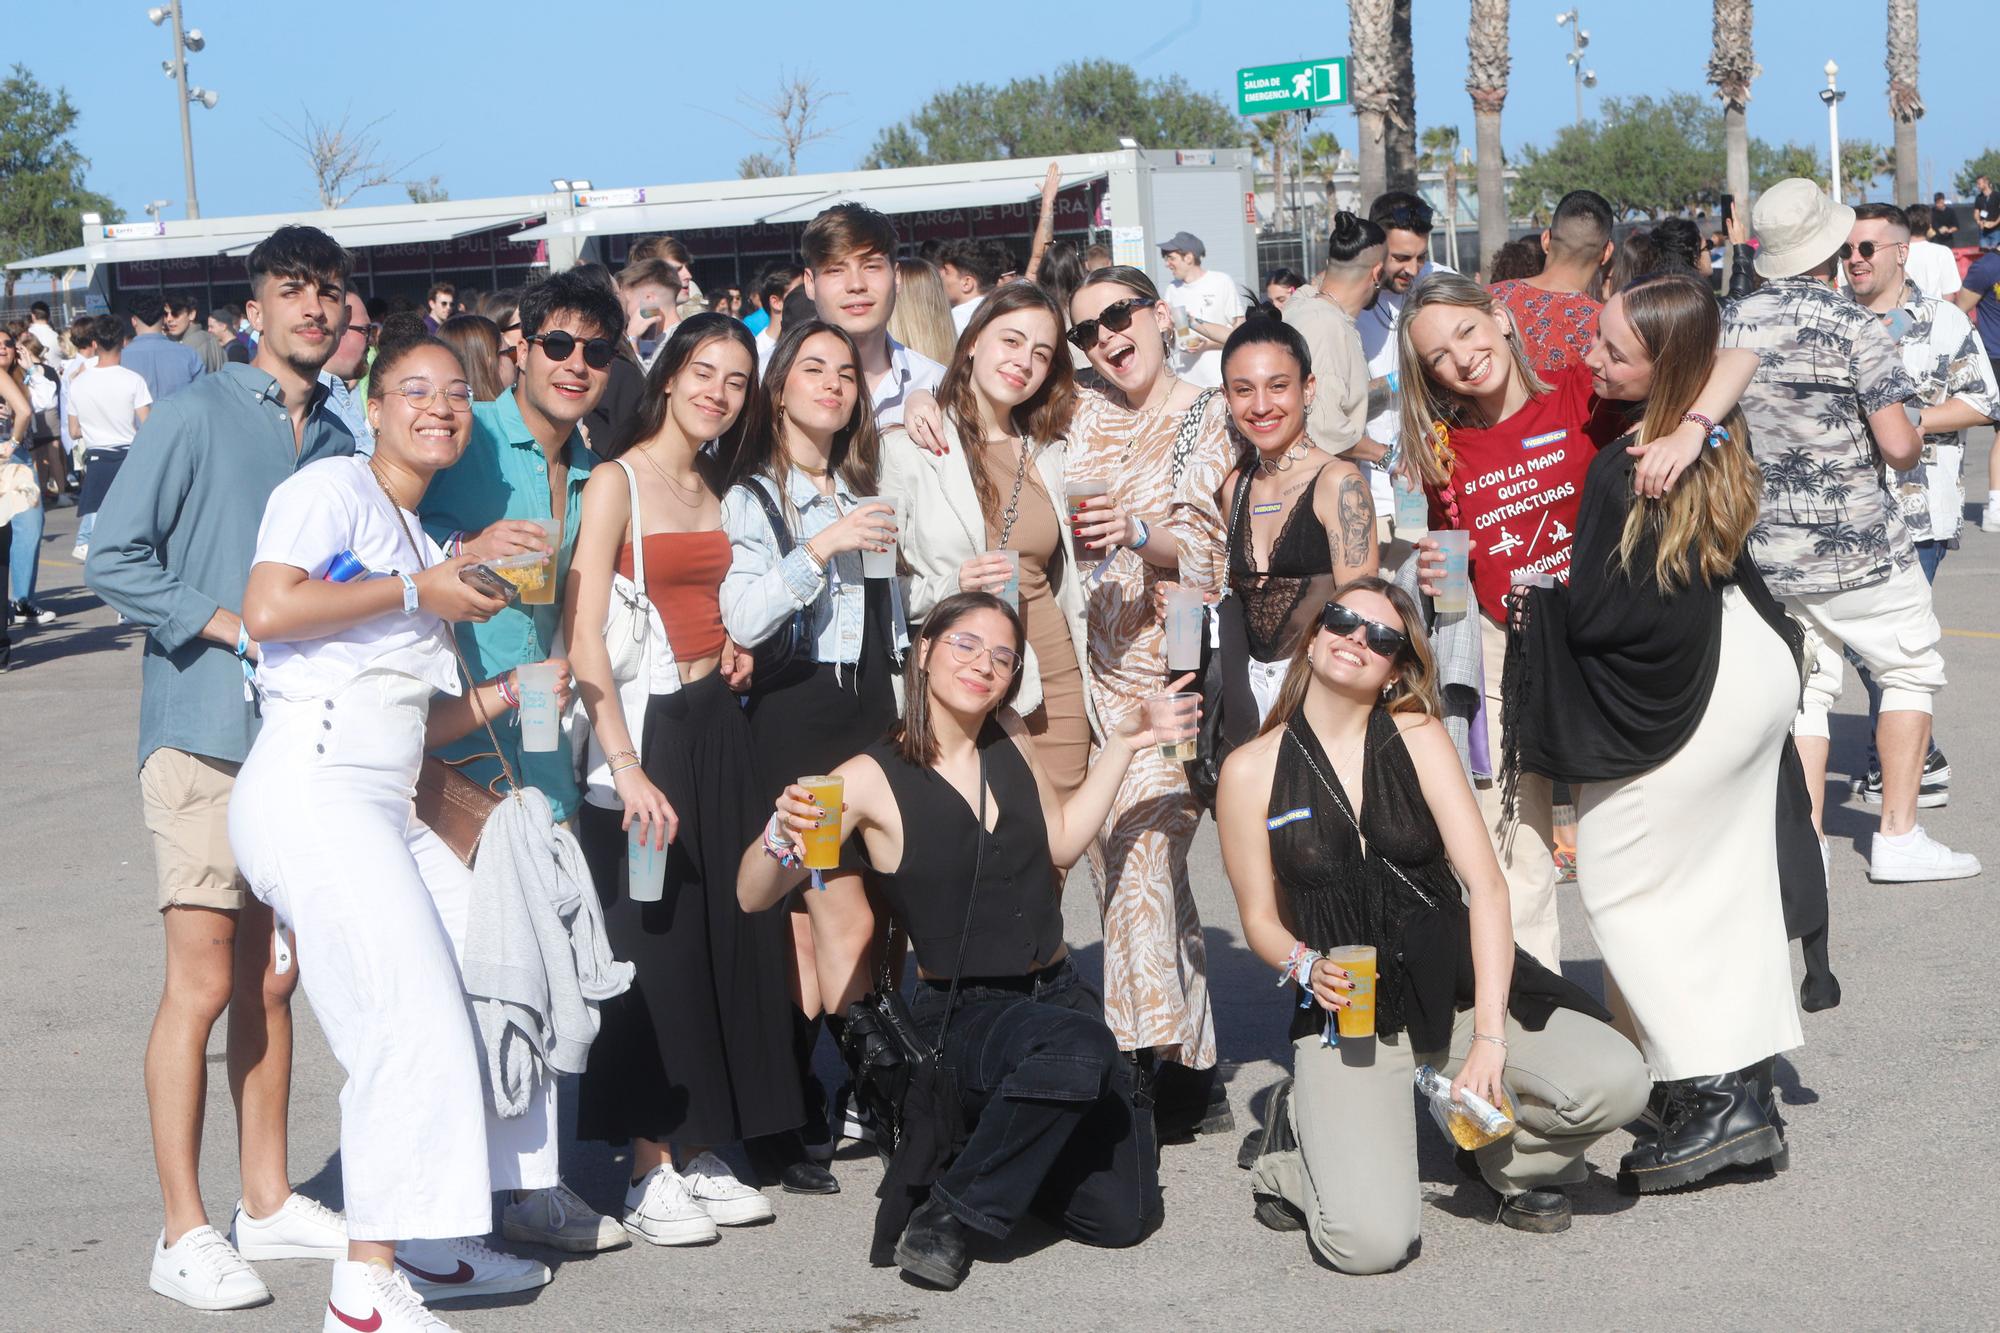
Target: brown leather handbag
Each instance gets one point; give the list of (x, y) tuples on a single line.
[(453, 805)]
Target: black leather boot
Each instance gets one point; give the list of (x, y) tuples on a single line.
[(1274, 1212), (1541, 1212), (1277, 1112), (1709, 1123), (933, 1247), (1187, 1102), (1762, 1079), (783, 1160)]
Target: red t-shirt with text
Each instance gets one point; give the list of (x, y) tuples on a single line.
[(1516, 486)]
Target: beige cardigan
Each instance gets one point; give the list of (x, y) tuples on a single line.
[(942, 527)]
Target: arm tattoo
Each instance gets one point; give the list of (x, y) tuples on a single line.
[(1355, 518)]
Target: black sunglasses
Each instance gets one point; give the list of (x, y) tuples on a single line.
[(1865, 249), (1114, 318), (1342, 621), (597, 352)]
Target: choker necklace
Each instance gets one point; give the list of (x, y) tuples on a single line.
[(1283, 462), (811, 471)]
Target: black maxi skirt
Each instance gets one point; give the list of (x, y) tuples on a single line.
[(699, 1050)]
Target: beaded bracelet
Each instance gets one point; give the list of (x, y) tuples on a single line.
[(508, 694)]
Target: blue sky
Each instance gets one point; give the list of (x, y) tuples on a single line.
[(498, 96)]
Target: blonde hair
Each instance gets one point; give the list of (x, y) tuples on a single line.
[(1698, 527), (921, 319), (1416, 687), (1429, 410)]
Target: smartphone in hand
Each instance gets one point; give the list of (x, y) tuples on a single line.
[(488, 580)]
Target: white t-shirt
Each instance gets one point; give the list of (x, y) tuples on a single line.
[(962, 313), (106, 400), (1211, 298), (1933, 268), (325, 508)]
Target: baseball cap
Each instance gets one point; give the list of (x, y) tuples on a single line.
[(1186, 243)]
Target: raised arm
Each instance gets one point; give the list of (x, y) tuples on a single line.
[(1662, 461), (770, 867)]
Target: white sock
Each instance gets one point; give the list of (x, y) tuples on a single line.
[(1993, 497), (1898, 839)]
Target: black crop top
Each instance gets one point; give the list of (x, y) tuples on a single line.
[(1334, 893), (1017, 917)]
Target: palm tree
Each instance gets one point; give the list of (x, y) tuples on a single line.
[(1319, 157), (1440, 153), (1486, 80), (1905, 103), (1383, 91), (1371, 87), (1268, 136), (1731, 68)]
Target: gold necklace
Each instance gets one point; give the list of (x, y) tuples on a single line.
[(691, 494)]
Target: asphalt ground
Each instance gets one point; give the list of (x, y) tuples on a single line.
[(1885, 1220)]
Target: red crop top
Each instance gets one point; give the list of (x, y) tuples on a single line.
[(684, 579)]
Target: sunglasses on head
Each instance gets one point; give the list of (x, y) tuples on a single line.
[(1404, 217), (1342, 621), (597, 352), (1114, 318)]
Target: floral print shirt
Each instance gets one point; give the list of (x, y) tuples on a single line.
[(1825, 364)]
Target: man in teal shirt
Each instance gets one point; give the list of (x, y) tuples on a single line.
[(527, 460)]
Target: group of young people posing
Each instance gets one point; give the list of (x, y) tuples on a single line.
[(986, 710)]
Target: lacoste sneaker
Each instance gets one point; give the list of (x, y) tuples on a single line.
[(559, 1218), (372, 1298), (717, 1192), (1915, 858), (658, 1208), (302, 1229), (203, 1271), (458, 1269)]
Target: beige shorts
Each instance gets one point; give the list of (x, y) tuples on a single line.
[(1891, 627), (186, 801)]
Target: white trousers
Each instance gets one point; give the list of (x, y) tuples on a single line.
[(323, 829)]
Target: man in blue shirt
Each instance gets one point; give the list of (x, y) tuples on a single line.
[(1980, 298), (172, 553), (165, 365)]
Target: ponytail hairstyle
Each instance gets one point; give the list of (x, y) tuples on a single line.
[(1700, 526), (1429, 410), (1416, 687), (913, 735)]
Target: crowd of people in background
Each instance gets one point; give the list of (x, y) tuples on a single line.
[(1602, 528)]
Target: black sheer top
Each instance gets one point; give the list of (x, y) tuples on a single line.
[(1017, 917), (1333, 892), (1280, 602)]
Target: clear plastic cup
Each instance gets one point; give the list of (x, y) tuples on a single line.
[(1176, 723), (1413, 513), (1010, 592), (1074, 494), (1186, 618), (880, 564), (541, 725), (1455, 588), (645, 864), (822, 844), (543, 593), (1358, 961)]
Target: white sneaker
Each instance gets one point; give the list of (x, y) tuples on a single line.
[(81, 551), (717, 1192), (659, 1209), (302, 1229), (376, 1299), (203, 1272), (1989, 518), (559, 1218), (1919, 858), (457, 1269)]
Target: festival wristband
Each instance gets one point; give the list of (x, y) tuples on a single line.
[(1145, 533), (410, 600), (508, 694), (242, 641)]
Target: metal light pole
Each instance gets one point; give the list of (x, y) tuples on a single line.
[(176, 69), (1579, 38), (1832, 97)]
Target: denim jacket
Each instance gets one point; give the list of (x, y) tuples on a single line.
[(761, 591)]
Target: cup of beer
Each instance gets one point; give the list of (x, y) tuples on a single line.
[(1176, 723), (1010, 591), (1075, 493), (879, 564), (1455, 588), (541, 725), (1358, 961), (542, 592), (822, 844)]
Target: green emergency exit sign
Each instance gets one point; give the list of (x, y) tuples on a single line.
[(1303, 85)]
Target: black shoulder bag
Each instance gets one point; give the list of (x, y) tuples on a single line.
[(904, 1082), (786, 657)]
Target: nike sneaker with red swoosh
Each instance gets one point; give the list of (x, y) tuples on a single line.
[(454, 1270), (373, 1298)]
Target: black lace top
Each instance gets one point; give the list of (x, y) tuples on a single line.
[(1279, 602), (1333, 892)]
